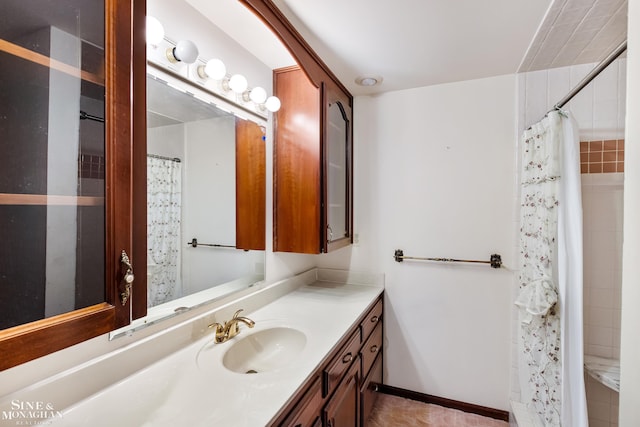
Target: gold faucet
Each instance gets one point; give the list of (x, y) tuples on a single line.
[(230, 328)]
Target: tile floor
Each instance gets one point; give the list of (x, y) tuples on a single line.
[(397, 411)]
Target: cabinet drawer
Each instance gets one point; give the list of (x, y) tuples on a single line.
[(339, 365), (373, 318), (306, 413), (371, 348)]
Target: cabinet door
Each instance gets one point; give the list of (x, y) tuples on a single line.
[(369, 392), (296, 176), (65, 173), (343, 409), (337, 170)]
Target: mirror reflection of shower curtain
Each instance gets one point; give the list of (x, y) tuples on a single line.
[(163, 230)]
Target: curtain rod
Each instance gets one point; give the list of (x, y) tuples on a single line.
[(592, 75), (173, 159)]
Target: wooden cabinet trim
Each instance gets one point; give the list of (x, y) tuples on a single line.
[(305, 56), (23, 343)]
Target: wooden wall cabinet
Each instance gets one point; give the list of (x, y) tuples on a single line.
[(343, 390), (313, 165), (66, 138)]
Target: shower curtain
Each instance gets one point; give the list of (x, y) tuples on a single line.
[(550, 289), (163, 230)]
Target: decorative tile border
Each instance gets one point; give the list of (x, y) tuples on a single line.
[(602, 156)]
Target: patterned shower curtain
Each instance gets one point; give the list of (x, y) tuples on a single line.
[(550, 289), (163, 230)]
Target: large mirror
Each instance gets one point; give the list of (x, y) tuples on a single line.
[(195, 166), (206, 158)]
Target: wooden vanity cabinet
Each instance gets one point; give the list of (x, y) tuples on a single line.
[(343, 390), (313, 165)]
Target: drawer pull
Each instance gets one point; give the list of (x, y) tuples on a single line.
[(374, 319), (374, 348), (347, 358)]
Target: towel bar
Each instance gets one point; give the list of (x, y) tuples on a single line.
[(495, 261)]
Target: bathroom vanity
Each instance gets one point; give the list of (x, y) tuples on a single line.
[(313, 357)]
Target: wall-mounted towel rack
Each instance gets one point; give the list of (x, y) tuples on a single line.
[(194, 242), (495, 261)]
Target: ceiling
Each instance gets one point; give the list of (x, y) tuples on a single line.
[(414, 43)]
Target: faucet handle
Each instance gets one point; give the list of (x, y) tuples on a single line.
[(216, 326), (235, 315), (220, 334)]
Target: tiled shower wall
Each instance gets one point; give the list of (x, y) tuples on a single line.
[(599, 110)]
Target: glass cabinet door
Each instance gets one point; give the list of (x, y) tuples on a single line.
[(52, 167), (65, 171), (337, 128), (338, 157)]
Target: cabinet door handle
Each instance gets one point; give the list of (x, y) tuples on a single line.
[(374, 348), (330, 233), (127, 277), (347, 358), (374, 319)]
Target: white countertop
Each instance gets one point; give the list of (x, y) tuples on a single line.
[(192, 387)]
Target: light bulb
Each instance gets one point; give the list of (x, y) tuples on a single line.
[(238, 83), (185, 51), (155, 31), (272, 104), (215, 69), (258, 95)]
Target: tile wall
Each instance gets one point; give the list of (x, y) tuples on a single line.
[(602, 200), (604, 156)]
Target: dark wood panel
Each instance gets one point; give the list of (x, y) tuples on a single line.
[(297, 201), (250, 186)]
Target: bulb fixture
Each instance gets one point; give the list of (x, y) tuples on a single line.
[(213, 69), (272, 104), (185, 51), (257, 95), (237, 83), (155, 31)]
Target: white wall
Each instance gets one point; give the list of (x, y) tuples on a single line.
[(435, 177), (630, 344)]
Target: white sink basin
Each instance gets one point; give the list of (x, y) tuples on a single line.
[(264, 351)]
